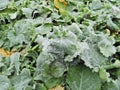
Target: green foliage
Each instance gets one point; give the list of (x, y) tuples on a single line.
[(76, 46)]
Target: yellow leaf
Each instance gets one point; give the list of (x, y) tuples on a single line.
[(5, 53), (57, 88), (13, 50), (107, 31), (63, 1), (60, 5)]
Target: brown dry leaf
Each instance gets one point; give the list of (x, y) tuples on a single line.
[(59, 87), (23, 52), (5, 53), (14, 50), (8, 54), (117, 32)]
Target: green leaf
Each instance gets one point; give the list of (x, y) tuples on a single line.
[(28, 88), (51, 82), (111, 25), (4, 82), (40, 87), (103, 74), (43, 29), (57, 69), (82, 78)]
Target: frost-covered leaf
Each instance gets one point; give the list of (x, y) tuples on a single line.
[(108, 50), (27, 12), (43, 29), (96, 4), (13, 15), (16, 39), (82, 78), (118, 48), (106, 46), (22, 80), (3, 4), (92, 57), (116, 11), (4, 82), (52, 36), (113, 85), (15, 60)]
